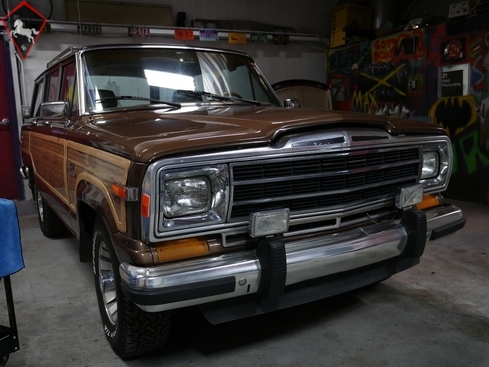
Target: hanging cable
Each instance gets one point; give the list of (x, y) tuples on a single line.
[(79, 23)]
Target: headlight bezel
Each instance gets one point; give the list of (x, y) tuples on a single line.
[(438, 181)]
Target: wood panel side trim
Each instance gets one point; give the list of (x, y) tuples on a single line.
[(37, 175), (85, 168), (100, 176), (120, 162)]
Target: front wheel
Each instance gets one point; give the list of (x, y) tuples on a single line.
[(129, 330)]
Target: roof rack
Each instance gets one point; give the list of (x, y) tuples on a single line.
[(62, 55)]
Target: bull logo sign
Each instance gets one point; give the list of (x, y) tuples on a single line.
[(24, 24)]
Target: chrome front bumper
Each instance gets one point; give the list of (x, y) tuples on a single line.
[(238, 274)]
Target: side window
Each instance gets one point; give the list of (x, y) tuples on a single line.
[(53, 81), (38, 98), (68, 87)]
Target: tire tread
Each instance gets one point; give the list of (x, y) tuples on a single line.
[(139, 332)]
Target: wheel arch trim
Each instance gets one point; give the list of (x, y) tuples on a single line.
[(87, 180)]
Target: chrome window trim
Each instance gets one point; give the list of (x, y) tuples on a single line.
[(81, 75)]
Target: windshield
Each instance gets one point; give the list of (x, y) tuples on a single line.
[(142, 76)]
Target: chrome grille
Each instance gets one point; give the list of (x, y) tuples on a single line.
[(320, 182)]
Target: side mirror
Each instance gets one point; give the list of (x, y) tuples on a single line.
[(59, 109), (292, 103)]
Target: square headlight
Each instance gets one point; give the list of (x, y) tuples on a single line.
[(185, 196), (431, 164)]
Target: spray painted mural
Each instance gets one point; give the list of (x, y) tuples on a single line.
[(436, 75), (382, 77)]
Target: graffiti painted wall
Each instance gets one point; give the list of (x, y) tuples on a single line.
[(382, 77), (458, 70), (436, 75)]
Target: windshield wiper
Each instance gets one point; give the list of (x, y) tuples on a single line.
[(135, 98), (197, 94)]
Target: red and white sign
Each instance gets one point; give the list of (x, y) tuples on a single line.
[(184, 34), (24, 24)]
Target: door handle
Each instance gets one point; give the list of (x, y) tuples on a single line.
[(5, 122)]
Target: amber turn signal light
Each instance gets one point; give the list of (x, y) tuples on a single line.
[(119, 191), (124, 192), (183, 248), (429, 201)]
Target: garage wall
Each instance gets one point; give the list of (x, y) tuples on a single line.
[(294, 61), (305, 16)]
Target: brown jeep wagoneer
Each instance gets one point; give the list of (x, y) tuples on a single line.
[(187, 182)]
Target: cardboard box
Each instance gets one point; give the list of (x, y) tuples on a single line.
[(348, 15)]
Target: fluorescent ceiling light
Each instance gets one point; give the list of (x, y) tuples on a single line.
[(169, 80)]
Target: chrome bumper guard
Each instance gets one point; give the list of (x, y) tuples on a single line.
[(232, 275)]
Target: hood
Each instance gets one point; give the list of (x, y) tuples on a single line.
[(146, 135)]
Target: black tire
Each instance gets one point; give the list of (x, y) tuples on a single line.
[(45, 7), (130, 331), (376, 284), (49, 222)]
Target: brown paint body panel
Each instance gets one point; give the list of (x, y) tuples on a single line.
[(144, 136)]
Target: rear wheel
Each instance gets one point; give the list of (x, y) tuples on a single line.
[(129, 330), (51, 225)]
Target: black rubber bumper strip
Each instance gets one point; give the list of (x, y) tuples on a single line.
[(180, 293), (447, 229), (414, 221)]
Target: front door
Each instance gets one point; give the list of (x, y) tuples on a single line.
[(10, 181)]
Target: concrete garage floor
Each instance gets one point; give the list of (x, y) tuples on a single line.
[(435, 314)]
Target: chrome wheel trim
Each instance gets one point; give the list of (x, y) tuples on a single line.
[(107, 283), (40, 208)]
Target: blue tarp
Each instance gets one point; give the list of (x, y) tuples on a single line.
[(11, 259)]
